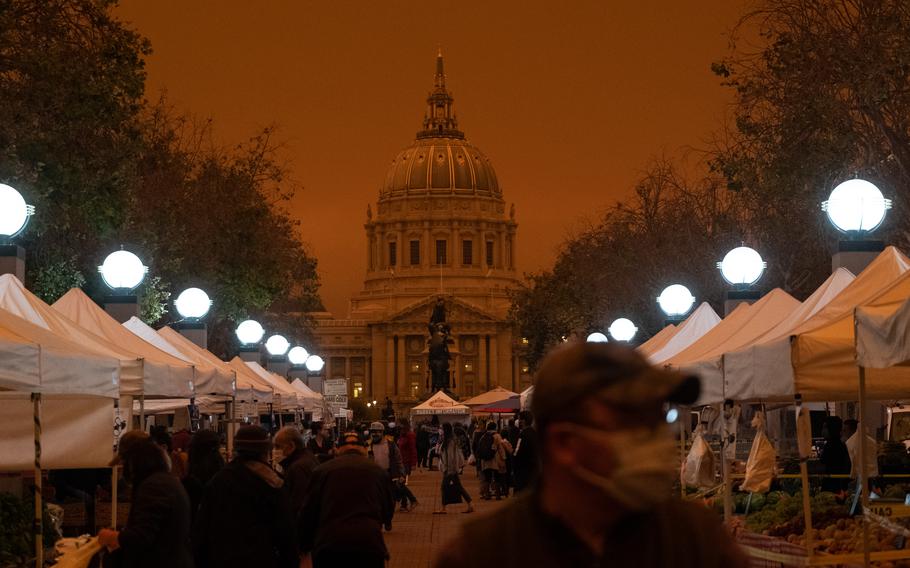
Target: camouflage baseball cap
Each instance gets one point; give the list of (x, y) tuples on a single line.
[(611, 373)]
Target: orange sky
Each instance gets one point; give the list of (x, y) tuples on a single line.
[(568, 99)]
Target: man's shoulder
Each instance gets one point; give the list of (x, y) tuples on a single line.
[(515, 515)]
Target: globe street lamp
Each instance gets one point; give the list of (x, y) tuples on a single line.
[(622, 329), (596, 337), (14, 214), (123, 272), (675, 301), (249, 333), (314, 366), (297, 357), (741, 267), (856, 207), (277, 347), (193, 304)]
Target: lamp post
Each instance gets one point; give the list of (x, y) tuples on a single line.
[(314, 366), (623, 330), (297, 357), (193, 305), (741, 268), (675, 301), (14, 214), (123, 272), (249, 333), (856, 207), (277, 348)]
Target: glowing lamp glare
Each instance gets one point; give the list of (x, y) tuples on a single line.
[(122, 270), (856, 205), (742, 266), (249, 332), (297, 355), (277, 345), (597, 337), (193, 303), (622, 330), (14, 211), (676, 300), (314, 364)]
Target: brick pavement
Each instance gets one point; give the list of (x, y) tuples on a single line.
[(417, 536)]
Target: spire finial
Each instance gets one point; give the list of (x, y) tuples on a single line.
[(440, 69), (439, 120)]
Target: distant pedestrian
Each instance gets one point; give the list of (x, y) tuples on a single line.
[(423, 445), (157, 530), (348, 503), (297, 465), (492, 450), (245, 518), (321, 442), (526, 458), (203, 462), (451, 463), (605, 493)]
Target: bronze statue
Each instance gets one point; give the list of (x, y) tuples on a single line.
[(438, 343)]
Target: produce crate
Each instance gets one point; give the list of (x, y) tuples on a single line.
[(75, 517), (770, 552), (103, 514)]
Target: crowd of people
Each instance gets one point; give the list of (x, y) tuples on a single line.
[(588, 477)]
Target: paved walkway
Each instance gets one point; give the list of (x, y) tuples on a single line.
[(417, 536)]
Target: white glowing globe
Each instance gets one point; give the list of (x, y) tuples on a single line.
[(277, 345), (675, 300), (193, 303), (314, 364), (742, 266), (623, 329), (249, 332), (122, 270), (14, 212), (597, 337), (856, 205), (298, 355)]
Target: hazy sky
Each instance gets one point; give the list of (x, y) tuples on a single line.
[(568, 99)]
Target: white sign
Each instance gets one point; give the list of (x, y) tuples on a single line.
[(340, 400), (335, 387)]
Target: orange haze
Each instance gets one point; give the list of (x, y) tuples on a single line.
[(568, 99)]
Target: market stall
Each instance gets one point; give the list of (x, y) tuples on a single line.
[(658, 340), (443, 406), (699, 322)]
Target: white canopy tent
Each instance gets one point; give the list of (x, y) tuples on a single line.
[(78, 388), (247, 380), (204, 355), (741, 364), (526, 397), (170, 375), (314, 402), (290, 397), (134, 378), (442, 405), (699, 322), (816, 357), (658, 340), (210, 378), (705, 356)]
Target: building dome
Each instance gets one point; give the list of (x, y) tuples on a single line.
[(440, 160), (440, 165)]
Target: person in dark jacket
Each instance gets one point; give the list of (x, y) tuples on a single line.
[(320, 443), (348, 503), (245, 518), (605, 495), (297, 466), (525, 458), (203, 462), (834, 455), (157, 530), (423, 445)]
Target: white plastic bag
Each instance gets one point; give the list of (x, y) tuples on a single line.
[(698, 471), (762, 462)]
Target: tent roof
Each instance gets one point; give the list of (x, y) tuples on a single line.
[(164, 374), (739, 328), (210, 378), (699, 322), (440, 403), (883, 335), (494, 395), (37, 360), (658, 340), (247, 379), (305, 390), (281, 386)]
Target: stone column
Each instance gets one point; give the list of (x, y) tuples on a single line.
[(494, 361), (483, 376), (402, 367), (390, 364), (347, 368)]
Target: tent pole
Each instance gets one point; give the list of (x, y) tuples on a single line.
[(232, 416), (39, 510), (682, 458), (142, 412), (804, 479), (863, 473)]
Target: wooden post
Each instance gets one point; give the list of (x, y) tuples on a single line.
[(804, 477), (114, 479), (862, 478), (39, 510)]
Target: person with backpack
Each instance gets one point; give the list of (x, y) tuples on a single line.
[(492, 450)]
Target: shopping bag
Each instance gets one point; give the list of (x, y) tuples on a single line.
[(762, 462), (698, 470)]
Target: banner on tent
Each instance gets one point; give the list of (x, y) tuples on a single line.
[(332, 387)]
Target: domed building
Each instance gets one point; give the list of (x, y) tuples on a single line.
[(440, 230)]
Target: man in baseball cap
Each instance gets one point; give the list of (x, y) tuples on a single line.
[(609, 459)]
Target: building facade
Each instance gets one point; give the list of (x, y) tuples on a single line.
[(440, 228)]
